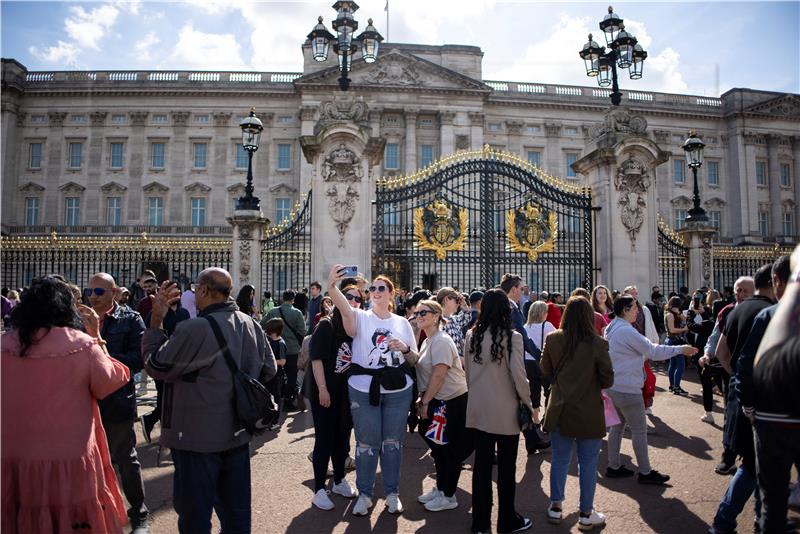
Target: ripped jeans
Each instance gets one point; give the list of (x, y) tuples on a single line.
[(379, 432)]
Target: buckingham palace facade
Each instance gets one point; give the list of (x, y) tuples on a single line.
[(126, 152)]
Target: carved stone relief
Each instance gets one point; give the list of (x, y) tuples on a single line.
[(56, 118), (342, 165), (394, 73), (620, 121), (632, 181), (342, 207), (179, 118), (222, 118), (462, 142), (98, 118), (138, 117), (340, 169), (706, 259)]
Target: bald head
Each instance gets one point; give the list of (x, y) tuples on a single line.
[(744, 288), (102, 292), (216, 280), (105, 277)]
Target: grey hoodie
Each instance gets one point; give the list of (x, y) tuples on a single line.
[(198, 387), (628, 350)]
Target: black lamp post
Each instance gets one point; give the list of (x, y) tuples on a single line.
[(624, 52), (694, 159), (251, 134), (344, 44)]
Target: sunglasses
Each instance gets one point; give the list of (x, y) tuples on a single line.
[(373, 289), (356, 298), (99, 291), (423, 313)]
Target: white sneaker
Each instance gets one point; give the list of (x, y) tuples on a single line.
[(708, 418), (393, 504), (322, 501), (441, 503), (649, 410), (596, 519), (344, 489), (362, 506), (794, 496), (431, 495)]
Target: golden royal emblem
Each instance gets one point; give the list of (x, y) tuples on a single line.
[(440, 227), (531, 231)]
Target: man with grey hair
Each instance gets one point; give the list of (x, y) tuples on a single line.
[(122, 329), (210, 448)]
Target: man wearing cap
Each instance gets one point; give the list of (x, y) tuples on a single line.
[(475, 299)]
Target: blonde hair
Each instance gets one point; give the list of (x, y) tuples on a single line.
[(435, 307), (538, 309)]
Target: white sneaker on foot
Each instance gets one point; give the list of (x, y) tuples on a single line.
[(708, 418), (344, 489), (649, 410), (441, 503), (393, 503), (362, 506), (554, 514), (429, 496), (595, 519), (322, 501)]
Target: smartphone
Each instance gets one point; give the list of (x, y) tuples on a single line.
[(349, 271)]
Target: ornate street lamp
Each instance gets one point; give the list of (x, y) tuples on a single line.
[(624, 52), (344, 43), (251, 134), (694, 159)]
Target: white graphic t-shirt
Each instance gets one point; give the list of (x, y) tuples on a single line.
[(371, 346)]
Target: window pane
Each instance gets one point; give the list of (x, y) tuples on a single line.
[(241, 157), (392, 156), (425, 155), (788, 226), (680, 219), (75, 151), (116, 155), (713, 173), (283, 207), (761, 173), (786, 179), (571, 158), (31, 211), (35, 160), (534, 157), (73, 211), (763, 223), (200, 155), (198, 212), (157, 155), (284, 157), (114, 211), (678, 171), (155, 211), (714, 219)]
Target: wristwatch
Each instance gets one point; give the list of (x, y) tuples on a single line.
[(406, 351)]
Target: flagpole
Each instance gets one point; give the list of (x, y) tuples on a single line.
[(387, 20)]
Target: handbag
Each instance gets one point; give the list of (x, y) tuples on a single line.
[(254, 406), (610, 411), (524, 415)]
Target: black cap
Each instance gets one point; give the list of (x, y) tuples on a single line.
[(475, 296)]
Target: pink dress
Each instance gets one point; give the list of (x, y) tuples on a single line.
[(56, 469)]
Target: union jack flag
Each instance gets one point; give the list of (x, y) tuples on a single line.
[(435, 431)]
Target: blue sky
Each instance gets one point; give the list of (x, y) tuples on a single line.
[(696, 47)]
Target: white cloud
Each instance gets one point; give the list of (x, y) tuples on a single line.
[(207, 51), (132, 6), (143, 46), (87, 28), (63, 54), (213, 7), (556, 60)]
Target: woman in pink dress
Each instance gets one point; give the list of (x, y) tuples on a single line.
[(56, 469)]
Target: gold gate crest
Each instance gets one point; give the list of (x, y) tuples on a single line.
[(440, 227), (531, 231)]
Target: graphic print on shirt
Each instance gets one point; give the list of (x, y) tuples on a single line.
[(380, 355), (344, 357)]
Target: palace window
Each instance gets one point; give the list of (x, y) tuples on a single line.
[(159, 118), (761, 173), (570, 130), (32, 211), (116, 155), (38, 119), (425, 155), (155, 211), (200, 151), (680, 219), (679, 171), (241, 157), (75, 153), (78, 119), (157, 152), (534, 157), (494, 127), (571, 158), (284, 157), (786, 175), (198, 211), (35, 156), (763, 223), (392, 157), (202, 119), (114, 211), (788, 223), (72, 214), (712, 172), (714, 220), (119, 119), (283, 207)]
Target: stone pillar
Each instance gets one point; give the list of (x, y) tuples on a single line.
[(796, 183), (181, 152), (513, 130), (56, 163), (620, 168), (774, 181), (220, 167), (249, 227), (446, 119), (307, 121), (697, 237), (12, 121), (552, 159), (94, 211), (139, 153), (411, 141), (476, 130)]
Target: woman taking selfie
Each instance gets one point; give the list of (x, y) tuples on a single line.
[(57, 470), (497, 383), (442, 406), (379, 387)]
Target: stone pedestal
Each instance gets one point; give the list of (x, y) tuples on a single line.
[(697, 237), (248, 231), (620, 169)]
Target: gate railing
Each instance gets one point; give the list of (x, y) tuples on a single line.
[(673, 259), (286, 251), (78, 257), (732, 262)]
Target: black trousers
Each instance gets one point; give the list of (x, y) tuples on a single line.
[(155, 416), (122, 447), (508, 519), (460, 443), (332, 427), (290, 369), (777, 448), (275, 387)]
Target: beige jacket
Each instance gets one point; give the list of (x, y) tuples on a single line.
[(496, 388)]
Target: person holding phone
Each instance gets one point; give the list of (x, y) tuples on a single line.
[(379, 386), (676, 335)]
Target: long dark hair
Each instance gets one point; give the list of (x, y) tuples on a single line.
[(495, 317), (577, 322), (675, 302), (48, 302), (244, 300), (336, 317)]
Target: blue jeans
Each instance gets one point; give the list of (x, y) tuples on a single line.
[(588, 453), (379, 432), (218, 481), (676, 366), (741, 486)]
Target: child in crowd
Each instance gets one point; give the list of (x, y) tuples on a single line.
[(274, 328)]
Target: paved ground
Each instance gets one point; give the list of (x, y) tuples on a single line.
[(682, 447)]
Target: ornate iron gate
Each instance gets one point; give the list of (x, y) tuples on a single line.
[(473, 216), (286, 252), (732, 262), (673, 259)]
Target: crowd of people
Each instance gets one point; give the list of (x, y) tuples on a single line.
[(469, 371)]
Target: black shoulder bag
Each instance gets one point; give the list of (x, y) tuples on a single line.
[(254, 406), (295, 333)]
